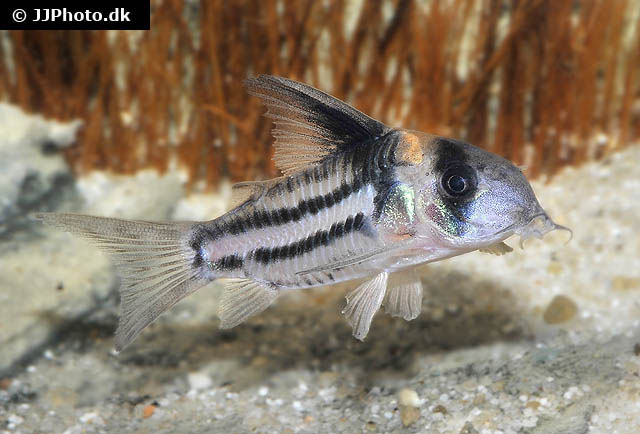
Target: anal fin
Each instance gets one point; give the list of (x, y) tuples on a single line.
[(404, 295), (363, 303), (243, 298)]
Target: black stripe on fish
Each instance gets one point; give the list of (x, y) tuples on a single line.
[(448, 152), (373, 163), (320, 172), (229, 262), (201, 233), (235, 225), (259, 219), (307, 178), (320, 238), (197, 260), (289, 183)]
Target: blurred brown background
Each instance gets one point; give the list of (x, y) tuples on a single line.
[(545, 83)]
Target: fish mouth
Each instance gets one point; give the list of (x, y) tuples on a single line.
[(538, 226)]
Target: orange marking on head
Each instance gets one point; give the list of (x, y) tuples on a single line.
[(409, 149)]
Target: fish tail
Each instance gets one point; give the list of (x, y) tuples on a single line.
[(155, 261)]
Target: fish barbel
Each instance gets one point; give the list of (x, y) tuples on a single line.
[(357, 199)]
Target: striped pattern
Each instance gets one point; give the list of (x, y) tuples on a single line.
[(311, 219), (278, 217), (320, 238), (227, 263), (258, 217)]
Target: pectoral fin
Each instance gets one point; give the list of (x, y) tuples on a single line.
[(242, 299), (346, 261), (498, 249), (363, 303), (404, 295)]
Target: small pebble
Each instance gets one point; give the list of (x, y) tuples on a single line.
[(408, 403), (5, 383), (468, 428), (498, 386), (533, 405), (440, 409), (409, 415), (554, 268), (148, 411), (198, 380), (89, 417), (625, 283), (636, 349), (408, 397), (479, 400), (561, 309)]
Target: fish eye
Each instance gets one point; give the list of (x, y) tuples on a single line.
[(458, 180), (457, 184)]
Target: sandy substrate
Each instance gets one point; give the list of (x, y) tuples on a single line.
[(542, 340)]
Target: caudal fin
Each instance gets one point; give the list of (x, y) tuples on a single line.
[(154, 261)]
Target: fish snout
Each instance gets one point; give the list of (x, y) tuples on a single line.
[(538, 226)]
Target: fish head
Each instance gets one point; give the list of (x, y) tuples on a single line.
[(471, 198)]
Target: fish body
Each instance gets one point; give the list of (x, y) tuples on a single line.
[(357, 199), (351, 215)]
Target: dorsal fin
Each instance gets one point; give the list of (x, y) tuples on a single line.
[(310, 124)]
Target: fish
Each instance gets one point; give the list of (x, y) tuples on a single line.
[(357, 199)]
